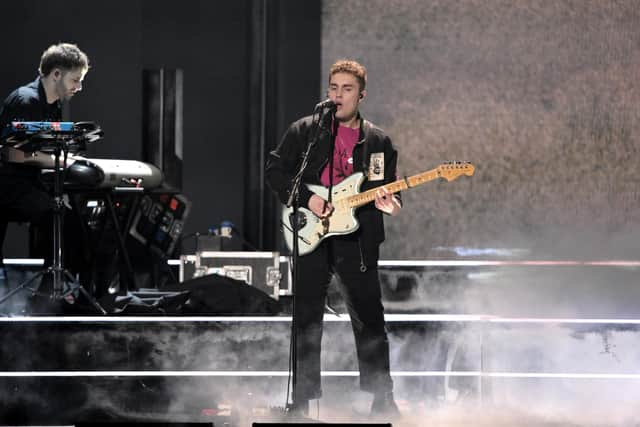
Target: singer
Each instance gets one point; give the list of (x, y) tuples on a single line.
[(351, 144)]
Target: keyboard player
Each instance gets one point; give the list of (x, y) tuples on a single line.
[(23, 198)]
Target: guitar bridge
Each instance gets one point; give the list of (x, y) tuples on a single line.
[(325, 225)]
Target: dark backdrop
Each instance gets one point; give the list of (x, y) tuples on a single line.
[(250, 67)]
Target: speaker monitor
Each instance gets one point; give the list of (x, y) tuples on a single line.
[(162, 113)]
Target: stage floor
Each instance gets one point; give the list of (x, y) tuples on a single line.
[(480, 345)]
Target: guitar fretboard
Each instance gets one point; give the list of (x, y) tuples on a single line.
[(402, 184)]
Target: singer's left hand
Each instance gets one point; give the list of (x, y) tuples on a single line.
[(387, 202)]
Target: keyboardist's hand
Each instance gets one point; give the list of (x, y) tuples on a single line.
[(320, 207), (47, 160), (36, 159)]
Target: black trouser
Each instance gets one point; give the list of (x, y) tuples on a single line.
[(22, 198), (361, 291)]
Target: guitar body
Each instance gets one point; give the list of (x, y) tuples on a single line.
[(313, 229), (346, 198)]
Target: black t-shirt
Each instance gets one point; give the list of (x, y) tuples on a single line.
[(29, 103)]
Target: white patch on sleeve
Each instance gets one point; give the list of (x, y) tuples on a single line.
[(376, 167)]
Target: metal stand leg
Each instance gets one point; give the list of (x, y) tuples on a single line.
[(58, 270), (64, 284), (21, 286)]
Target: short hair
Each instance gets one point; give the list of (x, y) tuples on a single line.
[(351, 67), (65, 56)]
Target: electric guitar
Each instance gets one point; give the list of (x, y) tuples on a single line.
[(346, 198)]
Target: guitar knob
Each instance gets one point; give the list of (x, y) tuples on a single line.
[(302, 220)]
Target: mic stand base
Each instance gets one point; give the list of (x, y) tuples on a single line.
[(280, 415), (73, 287)]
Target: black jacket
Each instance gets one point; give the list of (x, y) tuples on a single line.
[(285, 161), (27, 103)]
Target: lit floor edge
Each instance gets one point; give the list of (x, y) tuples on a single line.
[(490, 263), (426, 263), (324, 374), (327, 318)]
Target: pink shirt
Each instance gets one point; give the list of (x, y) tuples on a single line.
[(346, 139)]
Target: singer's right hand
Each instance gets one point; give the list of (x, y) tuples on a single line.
[(319, 206)]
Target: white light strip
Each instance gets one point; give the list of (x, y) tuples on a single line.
[(147, 319), (560, 375), (23, 261), (562, 320), (327, 318), (477, 263), (244, 255), (54, 374), (388, 263), (436, 373), (145, 374)]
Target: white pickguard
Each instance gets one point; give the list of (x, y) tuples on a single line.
[(313, 229)]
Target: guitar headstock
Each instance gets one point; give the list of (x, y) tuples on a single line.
[(452, 170)]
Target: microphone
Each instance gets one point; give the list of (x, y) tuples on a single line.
[(328, 104)]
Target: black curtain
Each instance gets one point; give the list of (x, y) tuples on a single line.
[(284, 84)]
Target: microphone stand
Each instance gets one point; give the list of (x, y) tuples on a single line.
[(293, 202), (61, 276)]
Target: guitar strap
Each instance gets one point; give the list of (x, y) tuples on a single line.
[(334, 135), (365, 147)]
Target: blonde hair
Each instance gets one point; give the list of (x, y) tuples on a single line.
[(352, 67), (65, 56)]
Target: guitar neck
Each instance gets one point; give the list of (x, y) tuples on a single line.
[(365, 197)]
